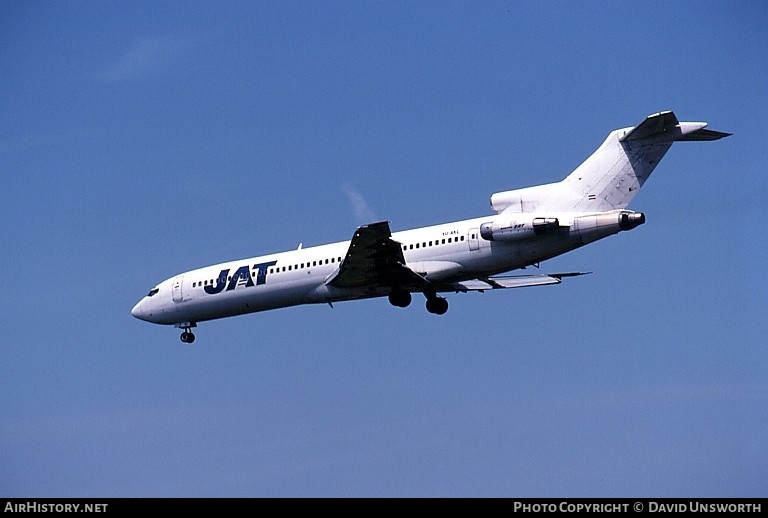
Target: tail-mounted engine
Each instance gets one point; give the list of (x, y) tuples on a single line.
[(630, 220), (517, 229), (586, 227), (597, 226)]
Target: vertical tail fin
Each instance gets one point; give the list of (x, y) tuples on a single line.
[(612, 176)]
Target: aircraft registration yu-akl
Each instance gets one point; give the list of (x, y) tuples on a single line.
[(530, 225)]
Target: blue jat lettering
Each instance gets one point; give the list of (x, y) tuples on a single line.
[(242, 274), (221, 282), (242, 277)]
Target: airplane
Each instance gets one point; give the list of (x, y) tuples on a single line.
[(530, 225)]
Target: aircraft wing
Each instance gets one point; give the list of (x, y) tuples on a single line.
[(375, 260), (513, 281)]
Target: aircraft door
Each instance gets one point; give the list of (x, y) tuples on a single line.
[(472, 236), (176, 288)]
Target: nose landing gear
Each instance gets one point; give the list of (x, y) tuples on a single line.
[(187, 336)]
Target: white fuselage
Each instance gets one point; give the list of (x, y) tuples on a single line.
[(441, 253)]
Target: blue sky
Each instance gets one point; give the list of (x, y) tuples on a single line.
[(142, 139)]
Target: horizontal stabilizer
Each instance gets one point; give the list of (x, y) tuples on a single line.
[(705, 134), (656, 124), (515, 281), (666, 124)]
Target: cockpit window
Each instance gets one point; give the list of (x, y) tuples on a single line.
[(153, 291)]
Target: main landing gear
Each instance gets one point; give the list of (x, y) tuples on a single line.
[(187, 336), (400, 298), (436, 305)]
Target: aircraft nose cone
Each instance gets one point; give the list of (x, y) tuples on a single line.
[(136, 311)]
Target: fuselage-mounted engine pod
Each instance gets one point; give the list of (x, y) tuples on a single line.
[(630, 220), (597, 226), (507, 229)]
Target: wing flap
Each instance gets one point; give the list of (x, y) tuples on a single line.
[(514, 281)]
